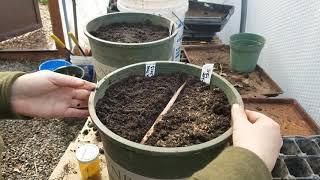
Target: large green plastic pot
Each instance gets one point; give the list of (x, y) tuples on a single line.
[(245, 51), (112, 55), (138, 162)]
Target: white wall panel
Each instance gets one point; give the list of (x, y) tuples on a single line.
[(292, 52)]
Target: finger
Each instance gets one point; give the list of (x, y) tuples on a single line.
[(254, 116), (66, 81), (70, 81), (239, 117), (88, 86), (75, 103), (72, 112), (81, 94)]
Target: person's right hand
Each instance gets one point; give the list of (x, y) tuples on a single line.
[(50, 95), (257, 133)]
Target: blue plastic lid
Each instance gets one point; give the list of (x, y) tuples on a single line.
[(53, 64)]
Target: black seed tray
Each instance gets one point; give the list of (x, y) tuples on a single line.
[(204, 22), (112, 7), (299, 159), (197, 36)]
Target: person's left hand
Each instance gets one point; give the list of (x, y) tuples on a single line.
[(47, 94)]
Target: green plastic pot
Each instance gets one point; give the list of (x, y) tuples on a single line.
[(112, 55), (139, 162), (245, 51)]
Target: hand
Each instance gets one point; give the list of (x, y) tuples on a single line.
[(47, 94), (257, 133)]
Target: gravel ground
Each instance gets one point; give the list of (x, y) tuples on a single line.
[(23, 65), (34, 147), (38, 39)]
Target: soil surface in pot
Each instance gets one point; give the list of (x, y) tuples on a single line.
[(291, 121), (200, 114), (130, 107), (131, 32), (248, 84)]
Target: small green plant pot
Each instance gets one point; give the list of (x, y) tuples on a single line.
[(245, 51)]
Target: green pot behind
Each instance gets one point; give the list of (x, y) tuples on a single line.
[(109, 56), (245, 51)]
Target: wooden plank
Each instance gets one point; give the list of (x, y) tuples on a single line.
[(36, 55), (68, 167), (56, 22)]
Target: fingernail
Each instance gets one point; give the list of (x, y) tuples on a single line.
[(96, 88)]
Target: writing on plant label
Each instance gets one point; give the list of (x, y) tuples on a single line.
[(206, 73), (150, 69)]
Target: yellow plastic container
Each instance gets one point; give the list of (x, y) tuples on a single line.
[(89, 163)]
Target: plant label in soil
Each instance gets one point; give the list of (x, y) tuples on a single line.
[(150, 69), (206, 73)]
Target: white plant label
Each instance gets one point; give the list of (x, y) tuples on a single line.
[(206, 73), (150, 69)]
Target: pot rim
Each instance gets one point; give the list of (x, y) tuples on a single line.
[(89, 35), (72, 66), (255, 37), (152, 149)]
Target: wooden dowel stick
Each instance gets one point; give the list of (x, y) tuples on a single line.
[(165, 110)]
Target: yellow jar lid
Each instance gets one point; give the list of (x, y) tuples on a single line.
[(87, 153)]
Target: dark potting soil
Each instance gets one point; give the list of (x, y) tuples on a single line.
[(131, 32), (130, 107), (200, 114)]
